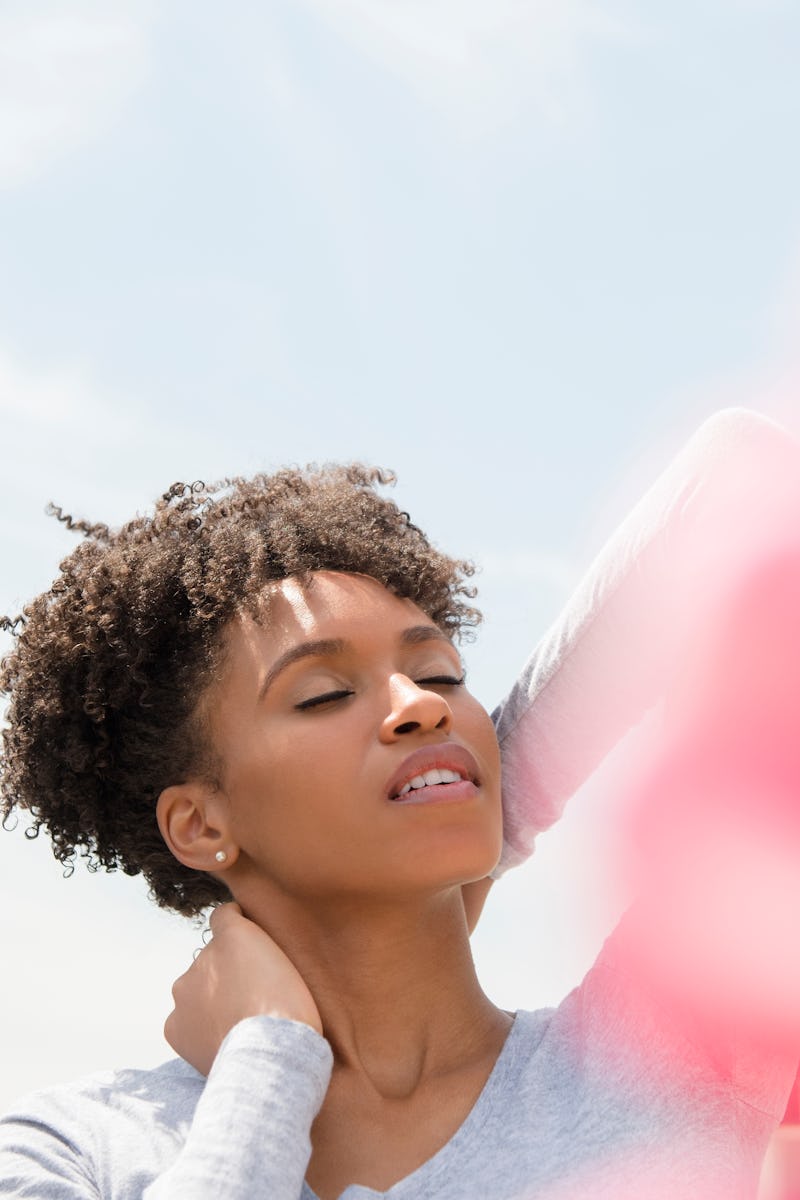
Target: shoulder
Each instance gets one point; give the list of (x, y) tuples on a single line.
[(112, 1134), (625, 1030), (170, 1087), (79, 1136)]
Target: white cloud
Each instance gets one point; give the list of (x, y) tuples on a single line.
[(321, 151), (64, 73), (479, 60)]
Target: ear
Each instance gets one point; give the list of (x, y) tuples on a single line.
[(193, 820)]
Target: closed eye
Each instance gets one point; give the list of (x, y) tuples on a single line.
[(441, 680), (325, 698)]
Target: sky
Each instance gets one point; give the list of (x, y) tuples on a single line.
[(516, 251)]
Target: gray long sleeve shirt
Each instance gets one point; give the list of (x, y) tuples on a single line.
[(606, 1096)]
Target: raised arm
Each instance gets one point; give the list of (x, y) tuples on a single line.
[(731, 497)]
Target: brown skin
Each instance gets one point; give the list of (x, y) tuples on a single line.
[(350, 915)]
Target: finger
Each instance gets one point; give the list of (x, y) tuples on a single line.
[(223, 916)]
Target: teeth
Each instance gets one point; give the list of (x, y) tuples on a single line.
[(430, 779)]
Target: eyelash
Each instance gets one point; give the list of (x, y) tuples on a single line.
[(329, 697), (323, 699)]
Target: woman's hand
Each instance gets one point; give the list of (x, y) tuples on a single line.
[(240, 973)]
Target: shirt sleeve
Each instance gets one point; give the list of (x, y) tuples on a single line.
[(248, 1136), (729, 498), (251, 1130)]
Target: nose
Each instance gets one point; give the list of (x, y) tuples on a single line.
[(414, 709)]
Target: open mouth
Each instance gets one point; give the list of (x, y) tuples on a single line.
[(444, 772), (433, 778)]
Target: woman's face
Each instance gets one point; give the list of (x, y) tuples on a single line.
[(330, 715)]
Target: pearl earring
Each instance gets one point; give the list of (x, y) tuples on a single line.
[(220, 856)]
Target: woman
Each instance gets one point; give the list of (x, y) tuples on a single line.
[(255, 694)]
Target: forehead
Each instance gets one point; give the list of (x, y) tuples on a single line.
[(329, 605), (296, 608)]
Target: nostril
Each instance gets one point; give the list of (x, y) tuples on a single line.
[(407, 727)]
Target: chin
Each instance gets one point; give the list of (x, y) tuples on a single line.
[(465, 860)]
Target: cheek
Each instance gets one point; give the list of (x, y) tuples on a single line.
[(282, 795)]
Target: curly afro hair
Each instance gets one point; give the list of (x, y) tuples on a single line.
[(108, 665)]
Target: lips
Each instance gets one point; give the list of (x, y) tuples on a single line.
[(427, 761)]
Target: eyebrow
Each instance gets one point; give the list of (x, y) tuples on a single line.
[(331, 647)]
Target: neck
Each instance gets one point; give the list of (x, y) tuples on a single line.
[(394, 983)]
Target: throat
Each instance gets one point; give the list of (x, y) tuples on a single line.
[(397, 991), (408, 1063)]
